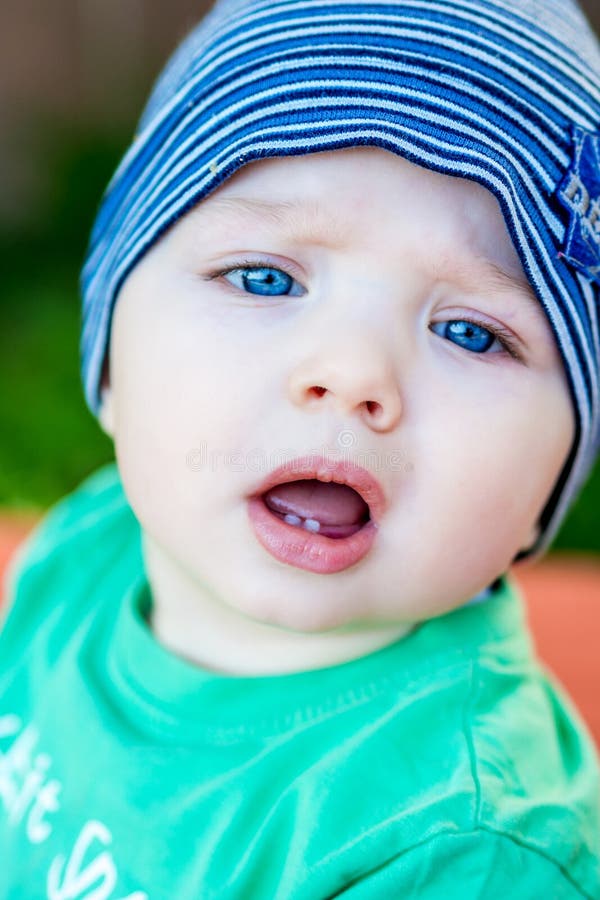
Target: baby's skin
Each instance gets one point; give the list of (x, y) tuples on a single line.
[(352, 305)]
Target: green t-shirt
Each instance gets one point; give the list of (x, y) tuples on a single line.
[(446, 765)]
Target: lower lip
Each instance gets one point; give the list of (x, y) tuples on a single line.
[(305, 549)]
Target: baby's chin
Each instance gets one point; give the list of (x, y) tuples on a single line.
[(285, 644), (326, 622)]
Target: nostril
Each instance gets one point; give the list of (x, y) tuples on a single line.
[(319, 391)]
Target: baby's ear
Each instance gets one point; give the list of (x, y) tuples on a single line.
[(106, 412)]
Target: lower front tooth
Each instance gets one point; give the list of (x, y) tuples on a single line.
[(312, 525), (293, 520)]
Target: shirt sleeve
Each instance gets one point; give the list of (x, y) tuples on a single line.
[(479, 865)]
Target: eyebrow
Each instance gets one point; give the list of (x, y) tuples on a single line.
[(301, 219), (496, 277)]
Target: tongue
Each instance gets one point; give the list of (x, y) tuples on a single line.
[(328, 502)]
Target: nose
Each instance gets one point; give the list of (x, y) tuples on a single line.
[(355, 379)]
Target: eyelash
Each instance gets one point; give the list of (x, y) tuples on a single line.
[(504, 337), (247, 264)]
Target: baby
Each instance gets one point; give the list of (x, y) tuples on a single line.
[(341, 321)]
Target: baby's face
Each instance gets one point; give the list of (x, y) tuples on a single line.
[(321, 304)]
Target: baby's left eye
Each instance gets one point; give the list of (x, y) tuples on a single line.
[(471, 336), (264, 281)]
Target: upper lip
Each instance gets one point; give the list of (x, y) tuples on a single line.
[(340, 471)]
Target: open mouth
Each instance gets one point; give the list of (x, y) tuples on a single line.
[(330, 509), (316, 514)]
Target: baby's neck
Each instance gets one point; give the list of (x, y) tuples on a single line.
[(191, 622)]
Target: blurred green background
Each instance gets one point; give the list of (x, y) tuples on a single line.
[(69, 110)]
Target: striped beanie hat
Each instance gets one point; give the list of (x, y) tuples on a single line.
[(503, 92)]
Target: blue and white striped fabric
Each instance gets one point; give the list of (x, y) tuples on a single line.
[(504, 92)]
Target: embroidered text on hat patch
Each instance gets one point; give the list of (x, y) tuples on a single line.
[(579, 192)]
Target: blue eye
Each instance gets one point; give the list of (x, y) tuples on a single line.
[(264, 281), (469, 335)]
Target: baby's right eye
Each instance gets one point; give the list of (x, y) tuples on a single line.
[(264, 281)]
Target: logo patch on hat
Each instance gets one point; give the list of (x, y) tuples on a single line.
[(579, 192)]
